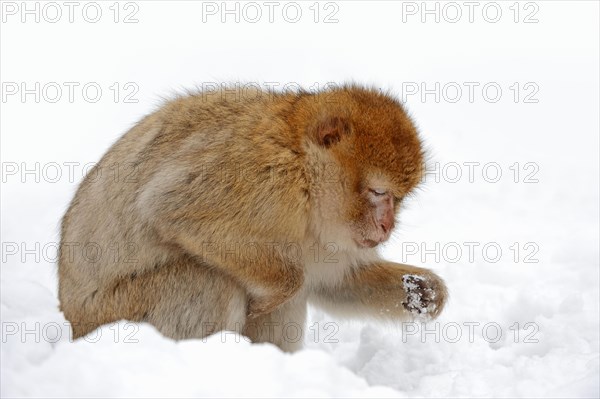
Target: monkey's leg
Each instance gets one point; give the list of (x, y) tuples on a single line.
[(283, 327), (385, 290), (182, 299)]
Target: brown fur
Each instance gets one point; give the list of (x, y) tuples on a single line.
[(216, 186)]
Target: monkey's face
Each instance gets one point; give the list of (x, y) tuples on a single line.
[(379, 160), (372, 213)]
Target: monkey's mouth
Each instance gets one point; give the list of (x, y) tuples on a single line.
[(366, 243)]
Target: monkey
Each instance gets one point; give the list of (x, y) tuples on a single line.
[(234, 209)]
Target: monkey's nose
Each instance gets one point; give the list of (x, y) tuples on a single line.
[(386, 224), (385, 228)]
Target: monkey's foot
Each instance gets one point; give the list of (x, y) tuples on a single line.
[(425, 295)]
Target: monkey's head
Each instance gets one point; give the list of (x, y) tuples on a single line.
[(368, 157)]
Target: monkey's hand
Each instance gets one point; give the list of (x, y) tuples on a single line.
[(387, 290), (262, 306), (424, 294)]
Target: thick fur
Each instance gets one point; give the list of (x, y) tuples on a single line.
[(223, 211)]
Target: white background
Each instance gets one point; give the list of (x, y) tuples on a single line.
[(550, 209)]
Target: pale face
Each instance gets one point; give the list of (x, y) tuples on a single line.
[(379, 219), (374, 215)]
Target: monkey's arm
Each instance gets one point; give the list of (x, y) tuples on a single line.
[(269, 278), (384, 290)]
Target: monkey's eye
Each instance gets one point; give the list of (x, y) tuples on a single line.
[(378, 191)]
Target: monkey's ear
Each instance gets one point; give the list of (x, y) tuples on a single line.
[(331, 130)]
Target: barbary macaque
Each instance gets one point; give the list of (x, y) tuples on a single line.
[(224, 211)]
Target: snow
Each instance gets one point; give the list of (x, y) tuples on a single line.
[(519, 252)]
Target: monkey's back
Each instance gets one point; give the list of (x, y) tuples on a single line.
[(189, 162)]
